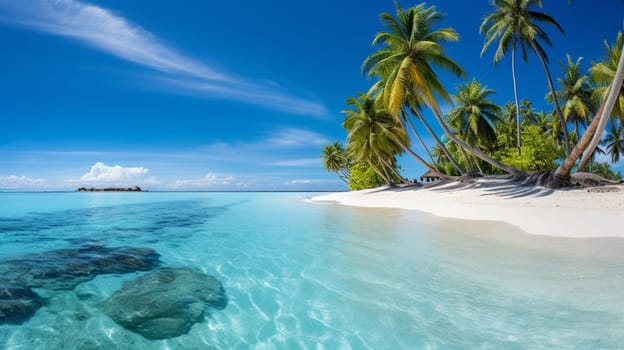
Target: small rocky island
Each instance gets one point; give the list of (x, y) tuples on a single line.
[(111, 189)]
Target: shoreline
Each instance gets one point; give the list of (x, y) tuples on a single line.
[(578, 213)]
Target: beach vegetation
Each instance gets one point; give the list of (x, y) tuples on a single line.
[(364, 176), (539, 151), (374, 136), (478, 136), (409, 52), (336, 160), (515, 24), (603, 169)]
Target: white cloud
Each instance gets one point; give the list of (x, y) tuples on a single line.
[(210, 180), (111, 33), (13, 182), (300, 182), (304, 162), (102, 174), (297, 138)]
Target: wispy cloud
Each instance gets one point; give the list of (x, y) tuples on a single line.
[(210, 180), (303, 162), (293, 137), (12, 182), (113, 34), (101, 174), (308, 182)]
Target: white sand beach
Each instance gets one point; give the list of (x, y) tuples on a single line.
[(582, 213)]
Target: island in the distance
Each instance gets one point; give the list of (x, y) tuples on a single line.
[(112, 189)]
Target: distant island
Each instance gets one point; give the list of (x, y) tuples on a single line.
[(112, 189)]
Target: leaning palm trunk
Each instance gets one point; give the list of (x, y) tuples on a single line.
[(392, 169), (562, 123), (467, 158), (561, 176), (415, 155), (438, 142), (387, 176), (612, 96), (383, 175), (420, 140), (506, 168), (515, 85)]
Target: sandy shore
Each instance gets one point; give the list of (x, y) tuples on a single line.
[(597, 212)]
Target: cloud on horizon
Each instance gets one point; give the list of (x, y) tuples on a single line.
[(101, 174), (113, 34), (13, 182), (210, 180)]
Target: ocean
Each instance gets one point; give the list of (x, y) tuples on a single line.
[(277, 271)]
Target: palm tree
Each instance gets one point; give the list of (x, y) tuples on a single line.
[(614, 142), (612, 100), (529, 116), (475, 115), (514, 25), (411, 48), (603, 72), (577, 94), (374, 135), (544, 121), (335, 160)]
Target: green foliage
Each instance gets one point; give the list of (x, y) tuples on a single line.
[(335, 159), (363, 176), (604, 170), (539, 151)]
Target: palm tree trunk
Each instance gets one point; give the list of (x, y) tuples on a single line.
[(515, 85), (467, 158), (387, 177), (389, 166), (343, 177), (562, 123), (383, 174), (438, 142), (415, 155), (479, 166), (420, 140), (564, 169), (613, 93), (506, 168)]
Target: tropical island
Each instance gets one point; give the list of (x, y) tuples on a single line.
[(512, 162), (111, 189)]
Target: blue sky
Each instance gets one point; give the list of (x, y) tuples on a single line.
[(215, 94)]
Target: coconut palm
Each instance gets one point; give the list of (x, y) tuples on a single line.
[(611, 101), (529, 116), (515, 25), (577, 94), (374, 135), (335, 160), (475, 115), (603, 72), (411, 49), (614, 142)]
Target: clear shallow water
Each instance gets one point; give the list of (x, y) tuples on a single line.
[(305, 275)]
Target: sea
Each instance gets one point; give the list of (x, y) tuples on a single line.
[(296, 274)]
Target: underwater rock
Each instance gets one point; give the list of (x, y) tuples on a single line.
[(18, 304), (166, 302), (66, 268)]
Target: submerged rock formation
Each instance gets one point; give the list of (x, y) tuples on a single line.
[(66, 268), (165, 303), (18, 304), (62, 269)]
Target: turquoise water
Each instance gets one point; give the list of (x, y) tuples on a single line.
[(306, 275)]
